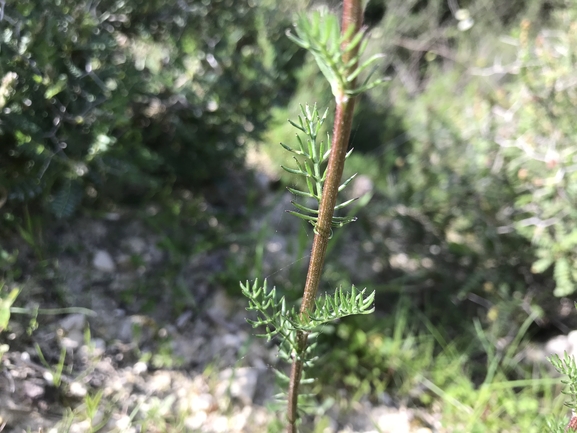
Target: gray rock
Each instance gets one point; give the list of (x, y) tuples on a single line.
[(32, 390), (222, 306), (103, 262), (72, 340), (136, 329), (183, 319), (238, 383), (190, 349), (136, 245), (73, 322), (233, 340)]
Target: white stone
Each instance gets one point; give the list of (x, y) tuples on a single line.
[(240, 383), (123, 422), (139, 368), (160, 381), (196, 421), (394, 422), (48, 377), (103, 261), (203, 402), (73, 322), (572, 339), (77, 390), (557, 345), (72, 340), (220, 424), (240, 419), (32, 390), (80, 427)]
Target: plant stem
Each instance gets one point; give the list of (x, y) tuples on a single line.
[(352, 16)]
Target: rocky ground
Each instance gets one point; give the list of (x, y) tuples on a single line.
[(123, 365)]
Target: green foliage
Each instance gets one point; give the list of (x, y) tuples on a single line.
[(285, 322), (6, 301), (321, 36), (316, 154), (7, 264), (278, 319), (430, 370), (341, 304), (566, 367), (120, 100), (55, 374), (452, 193), (66, 199), (535, 131), (62, 98)]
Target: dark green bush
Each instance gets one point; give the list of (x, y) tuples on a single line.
[(120, 99)]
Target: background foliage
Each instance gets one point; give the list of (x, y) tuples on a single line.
[(119, 99)]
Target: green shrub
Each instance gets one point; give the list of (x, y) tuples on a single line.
[(535, 127), (467, 205), (120, 99)]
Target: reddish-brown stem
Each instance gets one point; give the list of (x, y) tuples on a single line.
[(352, 16)]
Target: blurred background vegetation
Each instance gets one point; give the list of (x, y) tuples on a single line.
[(470, 236)]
